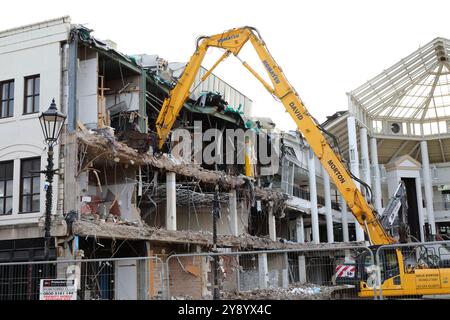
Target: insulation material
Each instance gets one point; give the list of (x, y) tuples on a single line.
[(121, 205)]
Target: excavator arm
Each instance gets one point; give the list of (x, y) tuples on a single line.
[(232, 42)]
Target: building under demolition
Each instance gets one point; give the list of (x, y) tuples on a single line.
[(117, 196)]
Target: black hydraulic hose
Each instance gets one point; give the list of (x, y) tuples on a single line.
[(333, 137), (365, 185), (336, 145), (197, 42)]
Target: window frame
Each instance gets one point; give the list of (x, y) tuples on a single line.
[(32, 193), (5, 181), (8, 100), (33, 95)]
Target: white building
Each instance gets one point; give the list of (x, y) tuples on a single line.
[(31, 68)]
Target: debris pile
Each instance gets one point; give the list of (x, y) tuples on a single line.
[(295, 291), (102, 142)]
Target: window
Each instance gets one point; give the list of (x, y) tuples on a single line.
[(377, 126), (6, 99), (389, 267), (30, 185), (32, 91), (6, 187)]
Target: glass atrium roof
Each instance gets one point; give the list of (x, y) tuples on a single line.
[(416, 89)]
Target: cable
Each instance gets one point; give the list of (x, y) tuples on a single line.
[(332, 136), (367, 188)]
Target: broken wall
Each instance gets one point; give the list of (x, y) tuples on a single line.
[(188, 277), (110, 190)]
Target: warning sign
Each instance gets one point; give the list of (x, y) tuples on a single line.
[(58, 289)]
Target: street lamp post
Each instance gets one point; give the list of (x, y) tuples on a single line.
[(51, 124), (216, 212)]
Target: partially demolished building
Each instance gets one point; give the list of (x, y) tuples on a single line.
[(116, 195)]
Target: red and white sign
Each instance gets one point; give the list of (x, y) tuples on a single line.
[(345, 271), (58, 289)]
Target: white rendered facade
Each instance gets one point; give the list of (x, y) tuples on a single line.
[(33, 50)]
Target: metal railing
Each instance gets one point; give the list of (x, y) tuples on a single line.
[(304, 194), (441, 205), (137, 278)]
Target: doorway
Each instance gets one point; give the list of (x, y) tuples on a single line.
[(413, 211)]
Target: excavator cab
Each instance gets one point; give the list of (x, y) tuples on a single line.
[(365, 277), (411, 271)]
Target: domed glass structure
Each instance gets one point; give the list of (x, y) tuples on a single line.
[(411, 98)]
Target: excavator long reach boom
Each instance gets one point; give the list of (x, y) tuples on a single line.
[(232, 42)]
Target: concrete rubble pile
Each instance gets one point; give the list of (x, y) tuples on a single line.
[(295, 291), (103, 143)]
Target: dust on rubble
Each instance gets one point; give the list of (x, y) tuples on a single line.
[(293, 292)]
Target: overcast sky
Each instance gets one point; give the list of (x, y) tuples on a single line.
[(326, 48)]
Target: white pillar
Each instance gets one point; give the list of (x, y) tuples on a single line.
[(233, 213), (292, 179), (301, 258), (285, 271), (420, 207), (427, 183), (344, 220), (377, 195), (263, 271), (308, 234), (313, 195), (328, 210), (354, 164), (285, 175), (272, 224), (171, 201), (300, 230), (365, 156), (302, 269)]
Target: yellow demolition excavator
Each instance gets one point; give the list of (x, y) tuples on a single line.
[(398, 278)]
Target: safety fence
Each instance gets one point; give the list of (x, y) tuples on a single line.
[(400, 271), (273, 274), (93, 279)]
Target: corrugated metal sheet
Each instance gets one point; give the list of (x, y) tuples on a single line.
[(215, 84)]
